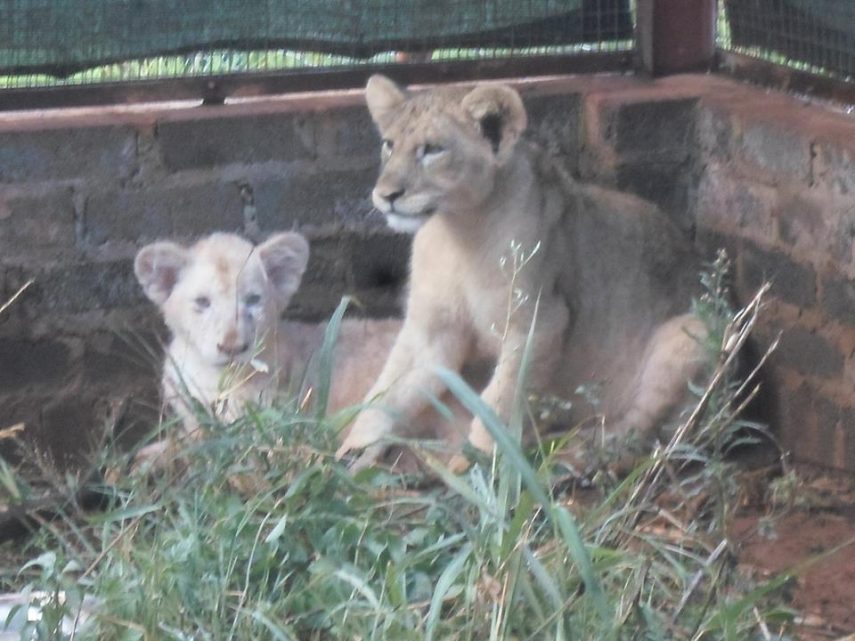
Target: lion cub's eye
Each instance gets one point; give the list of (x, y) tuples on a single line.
[(251, 300), (386, 148), (429, 151), (202, 302)]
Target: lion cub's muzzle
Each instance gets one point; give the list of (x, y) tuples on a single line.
[(404, 213), (232, 350), (385, 198), (399, 202), (231, 345)]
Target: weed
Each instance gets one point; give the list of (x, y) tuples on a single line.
[(261, 534)]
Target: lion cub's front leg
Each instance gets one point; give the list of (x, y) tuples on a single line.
[(406, 385), (546, 348)]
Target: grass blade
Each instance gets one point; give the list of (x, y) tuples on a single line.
[(325, 356), (576, 545), (510, 448), (446, 580)]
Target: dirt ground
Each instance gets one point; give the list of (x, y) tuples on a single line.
[(815, 539)]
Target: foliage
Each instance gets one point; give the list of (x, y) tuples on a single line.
[(260, 534)]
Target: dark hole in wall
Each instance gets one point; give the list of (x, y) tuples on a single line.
[(762, 410), (384, 276), (381, 261)]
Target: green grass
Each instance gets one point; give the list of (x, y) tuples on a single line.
[(260, 534)]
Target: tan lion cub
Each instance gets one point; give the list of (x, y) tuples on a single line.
[(222, 299), (611, 276)]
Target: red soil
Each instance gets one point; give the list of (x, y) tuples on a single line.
[(819, 548)]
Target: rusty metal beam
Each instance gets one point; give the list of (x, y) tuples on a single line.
[(215, 89), (675, 36)]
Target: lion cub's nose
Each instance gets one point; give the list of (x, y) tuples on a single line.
[(232, 349), (391, 196), (230, 346)]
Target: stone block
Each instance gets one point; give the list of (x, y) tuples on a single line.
[(781, 153), (809, 354), (178, 212), (790, 281), (301, 198), (733, 205), (838, 298), (215, 141), (834, 168), (797, 421), (817, 225), (346, 133), (655, 126), (93, 153), (82, 287), (801, 220), (813, 427), (36, 219), (715, 133)]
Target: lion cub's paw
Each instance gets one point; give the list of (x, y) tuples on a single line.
[(459, 464), (153, 456), (352, 444), (370, 456), (479, 436), (366, 431)]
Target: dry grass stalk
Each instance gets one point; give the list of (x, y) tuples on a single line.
[(16, 295)]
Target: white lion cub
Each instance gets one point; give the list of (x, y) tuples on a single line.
[(222, 299)]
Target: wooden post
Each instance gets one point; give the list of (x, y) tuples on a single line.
[(676, 36)]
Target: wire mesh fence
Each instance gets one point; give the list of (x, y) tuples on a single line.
[(79, 42), (817, 36)]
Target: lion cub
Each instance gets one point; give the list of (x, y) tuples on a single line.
[(222, 299), (501, 231)]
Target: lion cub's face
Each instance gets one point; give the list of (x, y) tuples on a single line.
[(223, 296), (441, 149)]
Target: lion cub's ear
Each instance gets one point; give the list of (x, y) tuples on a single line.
[(383, 96), (157, 267), (499, 111), (284, 258)]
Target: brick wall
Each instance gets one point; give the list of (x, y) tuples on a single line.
[(771, 178), (778, 188), (765, 175)]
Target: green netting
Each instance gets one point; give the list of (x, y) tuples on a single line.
[(816, 34), (60, 37)]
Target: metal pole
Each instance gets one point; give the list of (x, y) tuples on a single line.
[(676, 36)]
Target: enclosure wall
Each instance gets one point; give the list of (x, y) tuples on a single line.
[(764, 175)]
